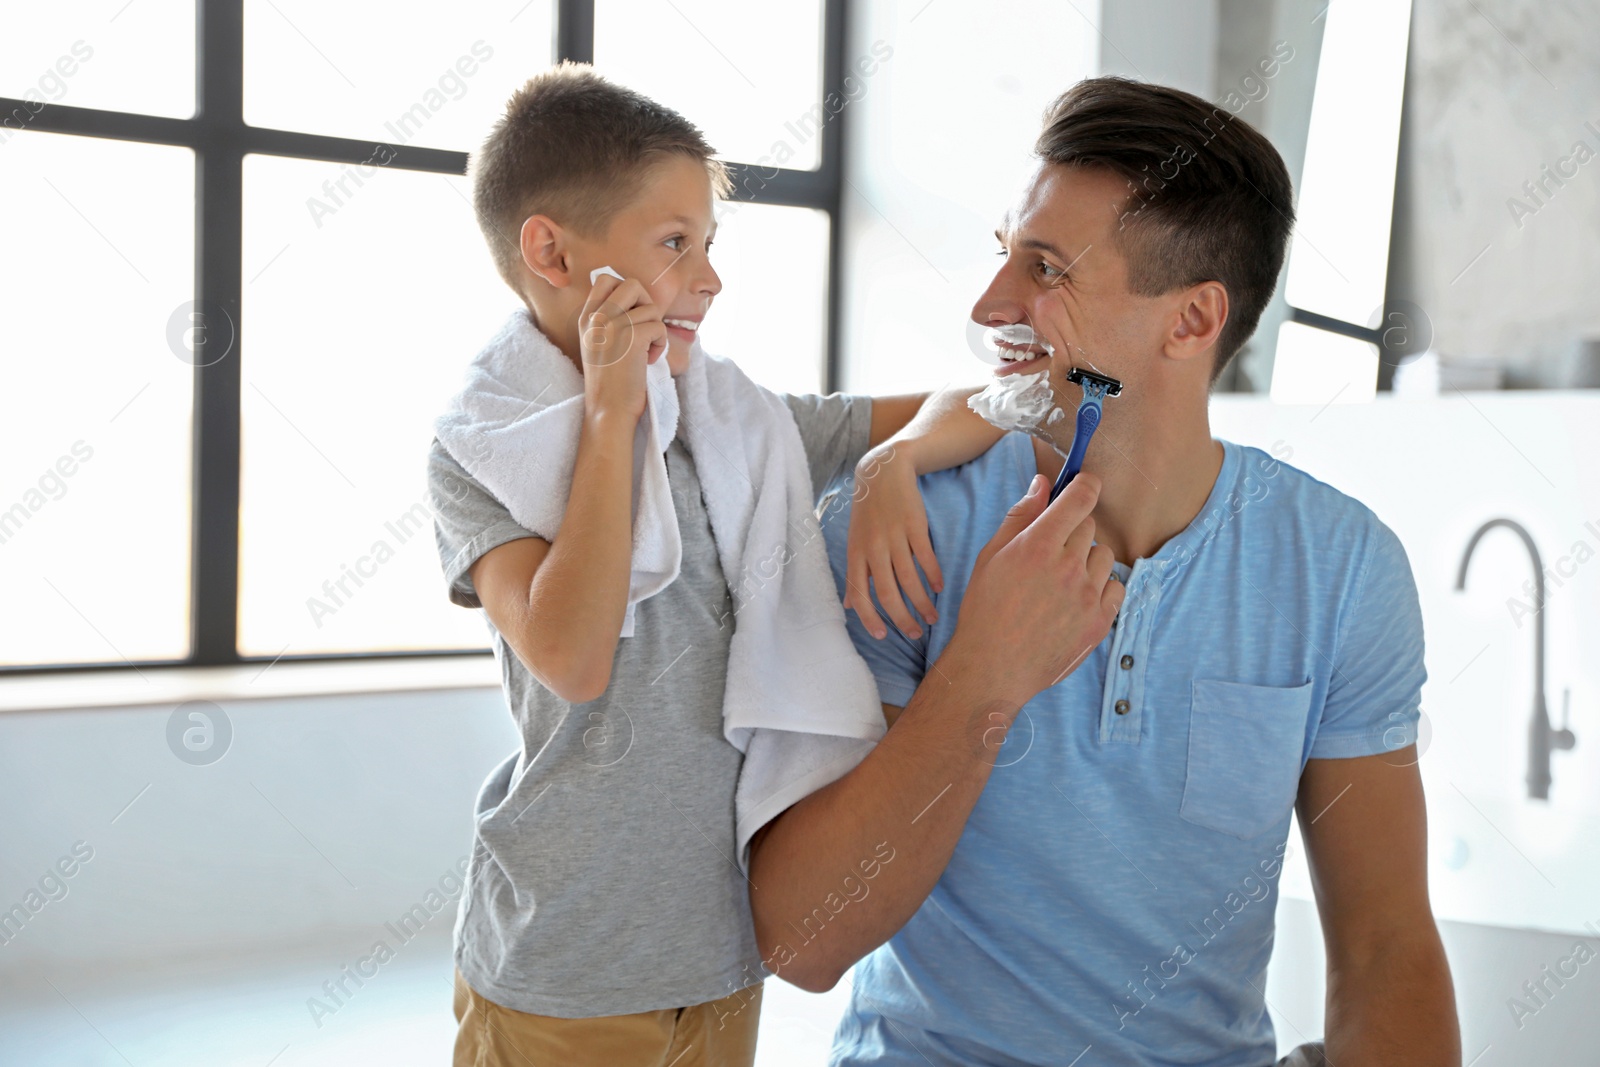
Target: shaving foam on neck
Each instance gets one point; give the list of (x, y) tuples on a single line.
[(1016, 402)]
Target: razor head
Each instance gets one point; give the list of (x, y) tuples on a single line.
[(1087, 378)]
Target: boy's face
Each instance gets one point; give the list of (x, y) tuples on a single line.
[(662, 239), (1065, 276)]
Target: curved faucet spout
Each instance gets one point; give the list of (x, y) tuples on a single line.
[(1538, 589), (1540, 735)]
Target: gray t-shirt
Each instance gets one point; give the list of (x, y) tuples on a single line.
[(603, 878)]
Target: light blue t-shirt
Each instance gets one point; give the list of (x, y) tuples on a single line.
[(1114, 888)]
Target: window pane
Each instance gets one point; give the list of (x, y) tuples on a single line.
[(96, 409), (1339, 258), (109, 54), (349, 70), (360, 326), (771, 258), (752, 82)]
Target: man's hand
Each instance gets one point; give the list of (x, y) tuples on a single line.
[(620, 332), (1040, 597), (888, 538)]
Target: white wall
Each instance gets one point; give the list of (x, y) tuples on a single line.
[(1497, 90), (1169, 42), (1434, 471), (219, 898), (324, 815), (940, 144), (1515, 882)]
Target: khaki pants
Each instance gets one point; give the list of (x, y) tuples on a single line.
[(719, 1033)]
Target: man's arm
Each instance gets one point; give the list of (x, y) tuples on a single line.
[(1390, 999), (908, 800), (1039, 599)]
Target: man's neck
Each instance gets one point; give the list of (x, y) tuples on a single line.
[(1153, 484)]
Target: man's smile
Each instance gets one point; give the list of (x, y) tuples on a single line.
[(1020, 348), (1021, 359)]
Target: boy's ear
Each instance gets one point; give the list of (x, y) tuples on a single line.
[(544, 250), (1202, 313)]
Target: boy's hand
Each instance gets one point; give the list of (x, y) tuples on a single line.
[(620, 331), (888, 537), (1041, 595)]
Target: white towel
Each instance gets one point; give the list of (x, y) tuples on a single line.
[(514, 427)]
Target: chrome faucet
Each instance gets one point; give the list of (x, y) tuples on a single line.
[(1541, 736)]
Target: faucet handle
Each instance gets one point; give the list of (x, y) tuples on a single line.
[(1564, 738)]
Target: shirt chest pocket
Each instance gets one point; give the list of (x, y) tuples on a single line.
[(1245, 743)]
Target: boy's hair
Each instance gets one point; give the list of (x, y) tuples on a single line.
[(576, 147), (1210, 198)]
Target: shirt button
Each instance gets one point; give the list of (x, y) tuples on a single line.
[(1127, 663), (1122, 707)]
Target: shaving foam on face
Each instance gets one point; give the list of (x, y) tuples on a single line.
[(1017, 402)]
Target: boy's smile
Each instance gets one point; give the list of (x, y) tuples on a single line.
[(682, 329)]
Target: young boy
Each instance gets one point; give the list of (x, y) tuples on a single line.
[(606, 919)]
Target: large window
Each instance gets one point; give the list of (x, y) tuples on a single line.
[(243, 279)]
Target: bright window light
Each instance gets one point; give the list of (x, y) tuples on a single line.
[(770, 257), (436, 76), (98, 273), (360, 326), (108, 54), (749, 76), (939, 151), (1315, 366), (1339, 259)]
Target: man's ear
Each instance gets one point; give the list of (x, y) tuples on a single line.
[(544, 250), (1202, 313)]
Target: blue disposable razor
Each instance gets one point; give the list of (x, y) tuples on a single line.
[(1096, 387)]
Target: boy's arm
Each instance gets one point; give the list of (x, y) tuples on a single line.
[(937, 432), (560, 604), (890, 414), (888, 526)]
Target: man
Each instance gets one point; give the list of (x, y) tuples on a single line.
[(1085, 822)]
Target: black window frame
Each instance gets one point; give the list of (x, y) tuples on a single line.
[(220, 139)]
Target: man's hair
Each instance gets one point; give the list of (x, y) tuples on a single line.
[(1209, 197), (575, 147)]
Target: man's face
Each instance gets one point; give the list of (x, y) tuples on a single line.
[(663, 239), (1065, 277)]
